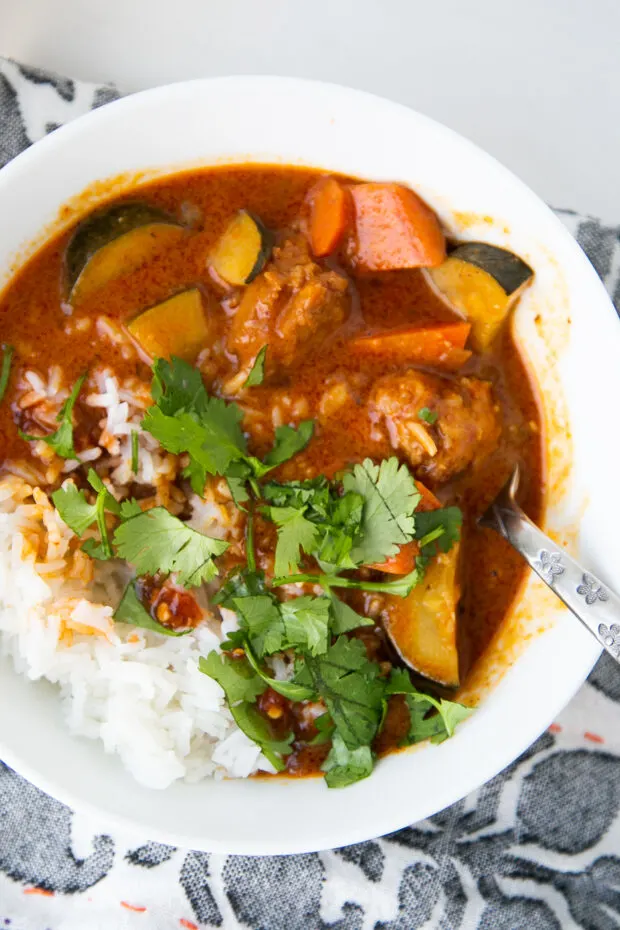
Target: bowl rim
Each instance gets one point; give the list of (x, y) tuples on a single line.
[(498, 760)]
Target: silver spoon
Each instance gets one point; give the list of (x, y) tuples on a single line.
[(592, 602)]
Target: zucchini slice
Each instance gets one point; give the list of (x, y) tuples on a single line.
[(423, 626), (175, 327), (113, 242), (242, 250), (483, 282)]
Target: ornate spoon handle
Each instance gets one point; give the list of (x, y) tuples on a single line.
[(593, 603)]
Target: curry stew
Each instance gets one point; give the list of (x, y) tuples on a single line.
[(359, 398)]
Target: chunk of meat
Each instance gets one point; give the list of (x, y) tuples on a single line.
[(292, 307), (466, 430)]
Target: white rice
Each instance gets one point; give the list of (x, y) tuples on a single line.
[(140, 693)]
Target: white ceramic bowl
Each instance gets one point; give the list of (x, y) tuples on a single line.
[(567, 327)]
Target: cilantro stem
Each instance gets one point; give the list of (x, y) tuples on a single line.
[(101, 524), (431, 537), (250, 554), (401, 586), (5, 372), (135, 451)]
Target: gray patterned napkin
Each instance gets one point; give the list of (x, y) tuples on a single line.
[(537, 848)]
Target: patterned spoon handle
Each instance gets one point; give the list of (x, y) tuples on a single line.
[(594, 604)]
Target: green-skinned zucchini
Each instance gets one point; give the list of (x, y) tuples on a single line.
[(423, 626), (242, 250), (483, 282), (113, 242), (176, 326)]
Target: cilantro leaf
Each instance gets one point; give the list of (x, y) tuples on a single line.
[(427, 415), (62, 440), (295, 533), (345, 766), (301, 623), (306, 623), (289, 441), (259, 730), (299, 493), (325, 730), (261, 618), (448, 519), (213, 441), (257, 374), (130, 508), (344, 618), (237, 476), (438, 727), (288, 689), (156, 541), (242, 685), (132, 610), (78, 514), (236, 677), (74, 509), (336, 519), (390, 498), (185, 418), (351, 688), (5, 371), (177, 385), (240, 583)]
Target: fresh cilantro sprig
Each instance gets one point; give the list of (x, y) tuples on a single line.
[(185, 418), (288, 689), (5, 369), (242, 685), (344, 766), (314, 517), (61, 441), (79, 514), (303, 623), (157, 541), (438, 726), (154, 541), (390, 499), (360, 521), (442, 527), (351, 687)]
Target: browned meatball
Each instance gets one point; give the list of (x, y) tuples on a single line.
[(291, 307), (466, 430)]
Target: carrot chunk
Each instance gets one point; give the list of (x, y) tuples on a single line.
[(329, 213), (394, 229), (428, 501), (440, 345), (402, 563)]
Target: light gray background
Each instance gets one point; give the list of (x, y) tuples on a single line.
[(535, 82)]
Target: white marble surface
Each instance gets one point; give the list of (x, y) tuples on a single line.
[(536, 83)]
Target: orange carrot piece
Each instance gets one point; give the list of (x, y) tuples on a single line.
[(441, 344), (329, 213), (394, 229), (427, 501), (402, 563)]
